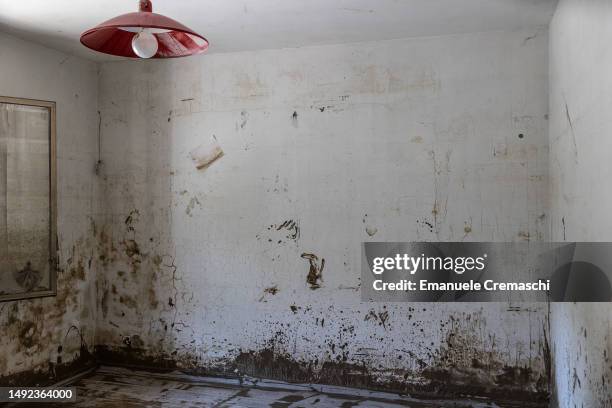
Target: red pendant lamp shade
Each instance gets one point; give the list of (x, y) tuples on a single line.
[(120, 36)]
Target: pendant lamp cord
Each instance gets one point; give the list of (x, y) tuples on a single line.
[(145, 5)]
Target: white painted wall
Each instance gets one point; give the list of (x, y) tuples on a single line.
[(32, 330), (417, 139), (580, 171)]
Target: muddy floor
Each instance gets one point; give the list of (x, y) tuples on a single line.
[(121, 387)]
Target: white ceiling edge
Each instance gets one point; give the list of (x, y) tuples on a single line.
[(250, 25)]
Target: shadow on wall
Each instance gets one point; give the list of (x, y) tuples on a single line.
[(138, 285)]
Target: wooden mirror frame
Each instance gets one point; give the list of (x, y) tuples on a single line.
[(53, 260)]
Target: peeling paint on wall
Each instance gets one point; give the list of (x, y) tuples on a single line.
[(204, 155)]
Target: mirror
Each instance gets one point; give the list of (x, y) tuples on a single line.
[(27, 199)]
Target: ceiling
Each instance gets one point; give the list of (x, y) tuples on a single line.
[(238, 25)]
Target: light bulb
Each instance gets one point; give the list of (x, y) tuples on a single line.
[(144, 44)]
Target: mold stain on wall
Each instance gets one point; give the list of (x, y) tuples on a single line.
[(249, 279), (43, 354)]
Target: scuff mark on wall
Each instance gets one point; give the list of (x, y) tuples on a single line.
[(271, 290), (293, 228), (294, 119), (524, 235), (571, 128), (380, 317), (279, 233), (467, 228), (132, 219), (315, 272), (192, 203), (529, 38), (244, 118), (563, 225), (370, 230)]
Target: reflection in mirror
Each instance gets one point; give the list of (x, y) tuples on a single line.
[(27, 196)]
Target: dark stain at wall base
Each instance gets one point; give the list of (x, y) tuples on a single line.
[(134, 357), (267, 364), (346, 374), (508, 384), (51, 373)]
